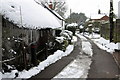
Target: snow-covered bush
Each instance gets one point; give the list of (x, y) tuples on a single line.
[(64, 39), (67, 34), (62, 43)]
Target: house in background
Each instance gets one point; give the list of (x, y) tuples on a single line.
[(99, 22), (99, 18)]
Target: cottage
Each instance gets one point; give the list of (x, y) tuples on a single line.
[(99, 17), (28, 28), (98, 22)]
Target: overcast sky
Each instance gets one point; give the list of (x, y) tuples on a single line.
[(90, 7)]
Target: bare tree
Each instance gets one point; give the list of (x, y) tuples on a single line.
[(59, 6)]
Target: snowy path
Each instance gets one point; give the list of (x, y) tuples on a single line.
[(79, 67), (52, 70), (103, 65), (76, 69)]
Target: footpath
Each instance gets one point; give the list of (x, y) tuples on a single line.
[(103, 65), (52, 70)]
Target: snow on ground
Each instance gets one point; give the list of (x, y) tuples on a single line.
[(80, 66), (76, 69), (35, 70), (60, 39), (86, 46), (81, 37), (103, 43), (74, 39)]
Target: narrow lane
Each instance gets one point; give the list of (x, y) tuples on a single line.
[(57, 67), (103, 65)]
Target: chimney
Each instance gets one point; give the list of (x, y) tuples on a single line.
[(50, 5), (99, 11)]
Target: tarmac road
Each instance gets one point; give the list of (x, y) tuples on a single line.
[(52, 70), (103, 65)]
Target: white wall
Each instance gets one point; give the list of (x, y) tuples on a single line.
[(119, 9)]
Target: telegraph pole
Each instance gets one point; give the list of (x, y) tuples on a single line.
[(70, 15), (111, 21), (21, 17)]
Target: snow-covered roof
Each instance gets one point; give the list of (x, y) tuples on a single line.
[(58, 15), (33, 14), (97, 16), (73, 24), (52, 11)]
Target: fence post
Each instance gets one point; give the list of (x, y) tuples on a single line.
[(33, 54), (111, 21), (1, 41)]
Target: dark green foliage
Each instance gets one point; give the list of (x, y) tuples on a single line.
[(76, 18), (105, 31), (73, 29)]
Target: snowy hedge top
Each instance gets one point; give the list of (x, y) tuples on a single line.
[(73, 24), (33, 14), (81, 26)]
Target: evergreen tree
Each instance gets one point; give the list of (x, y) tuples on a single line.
[(79, 18)]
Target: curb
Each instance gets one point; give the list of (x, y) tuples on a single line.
[(116, 61)]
